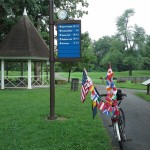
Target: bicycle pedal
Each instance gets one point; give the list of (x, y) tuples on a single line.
[(129, 140)]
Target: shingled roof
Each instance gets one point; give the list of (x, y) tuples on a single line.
[(24, 42)]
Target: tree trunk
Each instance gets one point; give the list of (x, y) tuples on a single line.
[(7, 68), (37, 70), (69, 70), (21, 69), (69, 76), (47, 70), (130, 70)]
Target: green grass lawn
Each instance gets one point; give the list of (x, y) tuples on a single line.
[(24, 124), (95, 76), (143, 95)]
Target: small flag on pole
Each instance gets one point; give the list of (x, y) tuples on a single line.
[(94, 108), (86, 83)]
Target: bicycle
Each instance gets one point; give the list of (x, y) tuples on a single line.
[(118, 122)]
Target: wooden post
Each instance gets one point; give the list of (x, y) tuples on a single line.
[(29, 74), (52, 60), (148, 89), (2, 74)]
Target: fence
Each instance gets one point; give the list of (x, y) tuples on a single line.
[(22, 81)]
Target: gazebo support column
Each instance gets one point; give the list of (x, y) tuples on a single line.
[(2, 74), (29, 74)]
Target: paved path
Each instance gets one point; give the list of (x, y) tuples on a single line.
[(137, 112)]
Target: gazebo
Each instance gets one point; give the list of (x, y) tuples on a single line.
[(24, 47)]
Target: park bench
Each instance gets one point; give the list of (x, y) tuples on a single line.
[(60, 81), (121, 80)]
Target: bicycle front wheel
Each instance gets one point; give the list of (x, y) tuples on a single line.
[(123, 139), (121, 121), (121, 126)]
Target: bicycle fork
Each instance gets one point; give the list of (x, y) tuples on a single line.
[(116, 129)]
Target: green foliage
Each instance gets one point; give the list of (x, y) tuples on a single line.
[(115, 54), (133, 38), (146, 54), (24, 124), (88, 57), (122, 22), (127, 50), (115, 57), (38, 12), (101, 48)]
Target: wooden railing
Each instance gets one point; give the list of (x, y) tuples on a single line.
[(22, 81)]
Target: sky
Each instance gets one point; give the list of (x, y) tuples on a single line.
[(102, 15)]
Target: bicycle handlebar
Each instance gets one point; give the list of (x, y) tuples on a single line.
[(122, 94)]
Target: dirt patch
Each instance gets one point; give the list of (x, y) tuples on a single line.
[(62, 118), (59, 118)]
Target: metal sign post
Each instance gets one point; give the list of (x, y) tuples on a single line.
[(52, 61), (69, 47)]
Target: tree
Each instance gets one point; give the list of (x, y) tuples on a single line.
[(88, 56), (146, 54), (133, 38), (101, 48), (115, 54), (87, 60), (38, 12), (68, 67)]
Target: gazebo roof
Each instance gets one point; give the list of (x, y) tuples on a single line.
[(24, 42)]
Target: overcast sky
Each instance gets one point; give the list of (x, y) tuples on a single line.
[(101, 19)]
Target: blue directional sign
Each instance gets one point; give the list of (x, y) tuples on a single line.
[(69, 39)]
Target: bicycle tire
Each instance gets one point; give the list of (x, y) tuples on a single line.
[(121, 145), (122, 136), (121, 120), (121, 125), (119, 135)]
